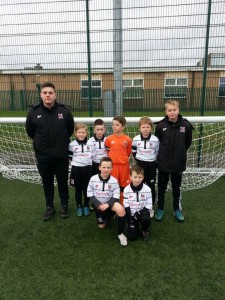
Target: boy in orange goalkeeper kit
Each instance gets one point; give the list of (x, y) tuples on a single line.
[(119, 147)]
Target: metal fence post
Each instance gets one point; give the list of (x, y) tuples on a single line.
[(118, 56), (204, 82), (89, 61)]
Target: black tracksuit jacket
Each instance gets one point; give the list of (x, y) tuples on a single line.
[(50, 130), (175, 139)]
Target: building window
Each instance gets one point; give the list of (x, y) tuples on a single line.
[(217, 59), (176, 88), (222, 87), (133, 88), (96, 89)]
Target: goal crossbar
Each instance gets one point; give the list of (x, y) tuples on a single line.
[(108, 120)]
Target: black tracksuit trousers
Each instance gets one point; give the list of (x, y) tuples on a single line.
[(48, 169), (163, 179)]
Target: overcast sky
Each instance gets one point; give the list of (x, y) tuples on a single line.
[(155, 33)]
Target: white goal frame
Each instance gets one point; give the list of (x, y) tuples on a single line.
[(214, 172)]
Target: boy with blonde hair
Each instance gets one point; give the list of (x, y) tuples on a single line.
[(80, 151), (145, 147), (119, 146), (175, 135)]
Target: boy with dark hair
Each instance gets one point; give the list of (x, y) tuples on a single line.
[(48, 84), (138, 204), (145, 147), (98, 144), (119, 146), (104, 192), (175, 135), (80, 152), (50, 125)]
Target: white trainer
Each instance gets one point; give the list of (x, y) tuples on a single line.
[(152, 213), (123, 239)]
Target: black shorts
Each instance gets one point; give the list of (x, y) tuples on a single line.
[(80, 176), (102, 217)]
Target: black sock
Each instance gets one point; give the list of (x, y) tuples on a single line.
[(121, 224)]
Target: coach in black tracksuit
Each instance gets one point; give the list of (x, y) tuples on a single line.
[(50, 125), (175, 136)]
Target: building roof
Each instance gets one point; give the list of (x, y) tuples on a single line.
[(35, 71)]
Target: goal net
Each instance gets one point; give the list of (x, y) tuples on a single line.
[(205, 164)]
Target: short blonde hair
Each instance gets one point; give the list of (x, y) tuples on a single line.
[(145, 120), (79, 126), (172, 102)]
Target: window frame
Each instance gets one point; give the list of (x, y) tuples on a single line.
[(133, 89), (221, 87), (93, 88), (176, 86)]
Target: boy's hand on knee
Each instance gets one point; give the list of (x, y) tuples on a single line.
[(103, 207)]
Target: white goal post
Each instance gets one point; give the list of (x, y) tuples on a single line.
[(206, 156)]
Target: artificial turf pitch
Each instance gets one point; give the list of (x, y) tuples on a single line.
[(73, 259)]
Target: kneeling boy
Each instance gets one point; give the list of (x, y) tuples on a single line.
[(104, 192), (138, 204)]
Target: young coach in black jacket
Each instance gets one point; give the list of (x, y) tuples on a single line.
[(175, 136), (50, 125)]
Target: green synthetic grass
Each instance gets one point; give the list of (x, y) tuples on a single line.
[(73, 259)]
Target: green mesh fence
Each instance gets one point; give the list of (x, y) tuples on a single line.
[(134, 55)]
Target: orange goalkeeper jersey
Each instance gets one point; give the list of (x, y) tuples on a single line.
[(119, 148)]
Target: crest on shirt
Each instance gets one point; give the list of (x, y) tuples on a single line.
[(125, 143), (182, 129), (139, 144), (60, 116), (88, 148), (109, 186), (142, 195), (96, 186)]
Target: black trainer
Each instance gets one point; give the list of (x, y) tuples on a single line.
[(64, 212), (50, 211)]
